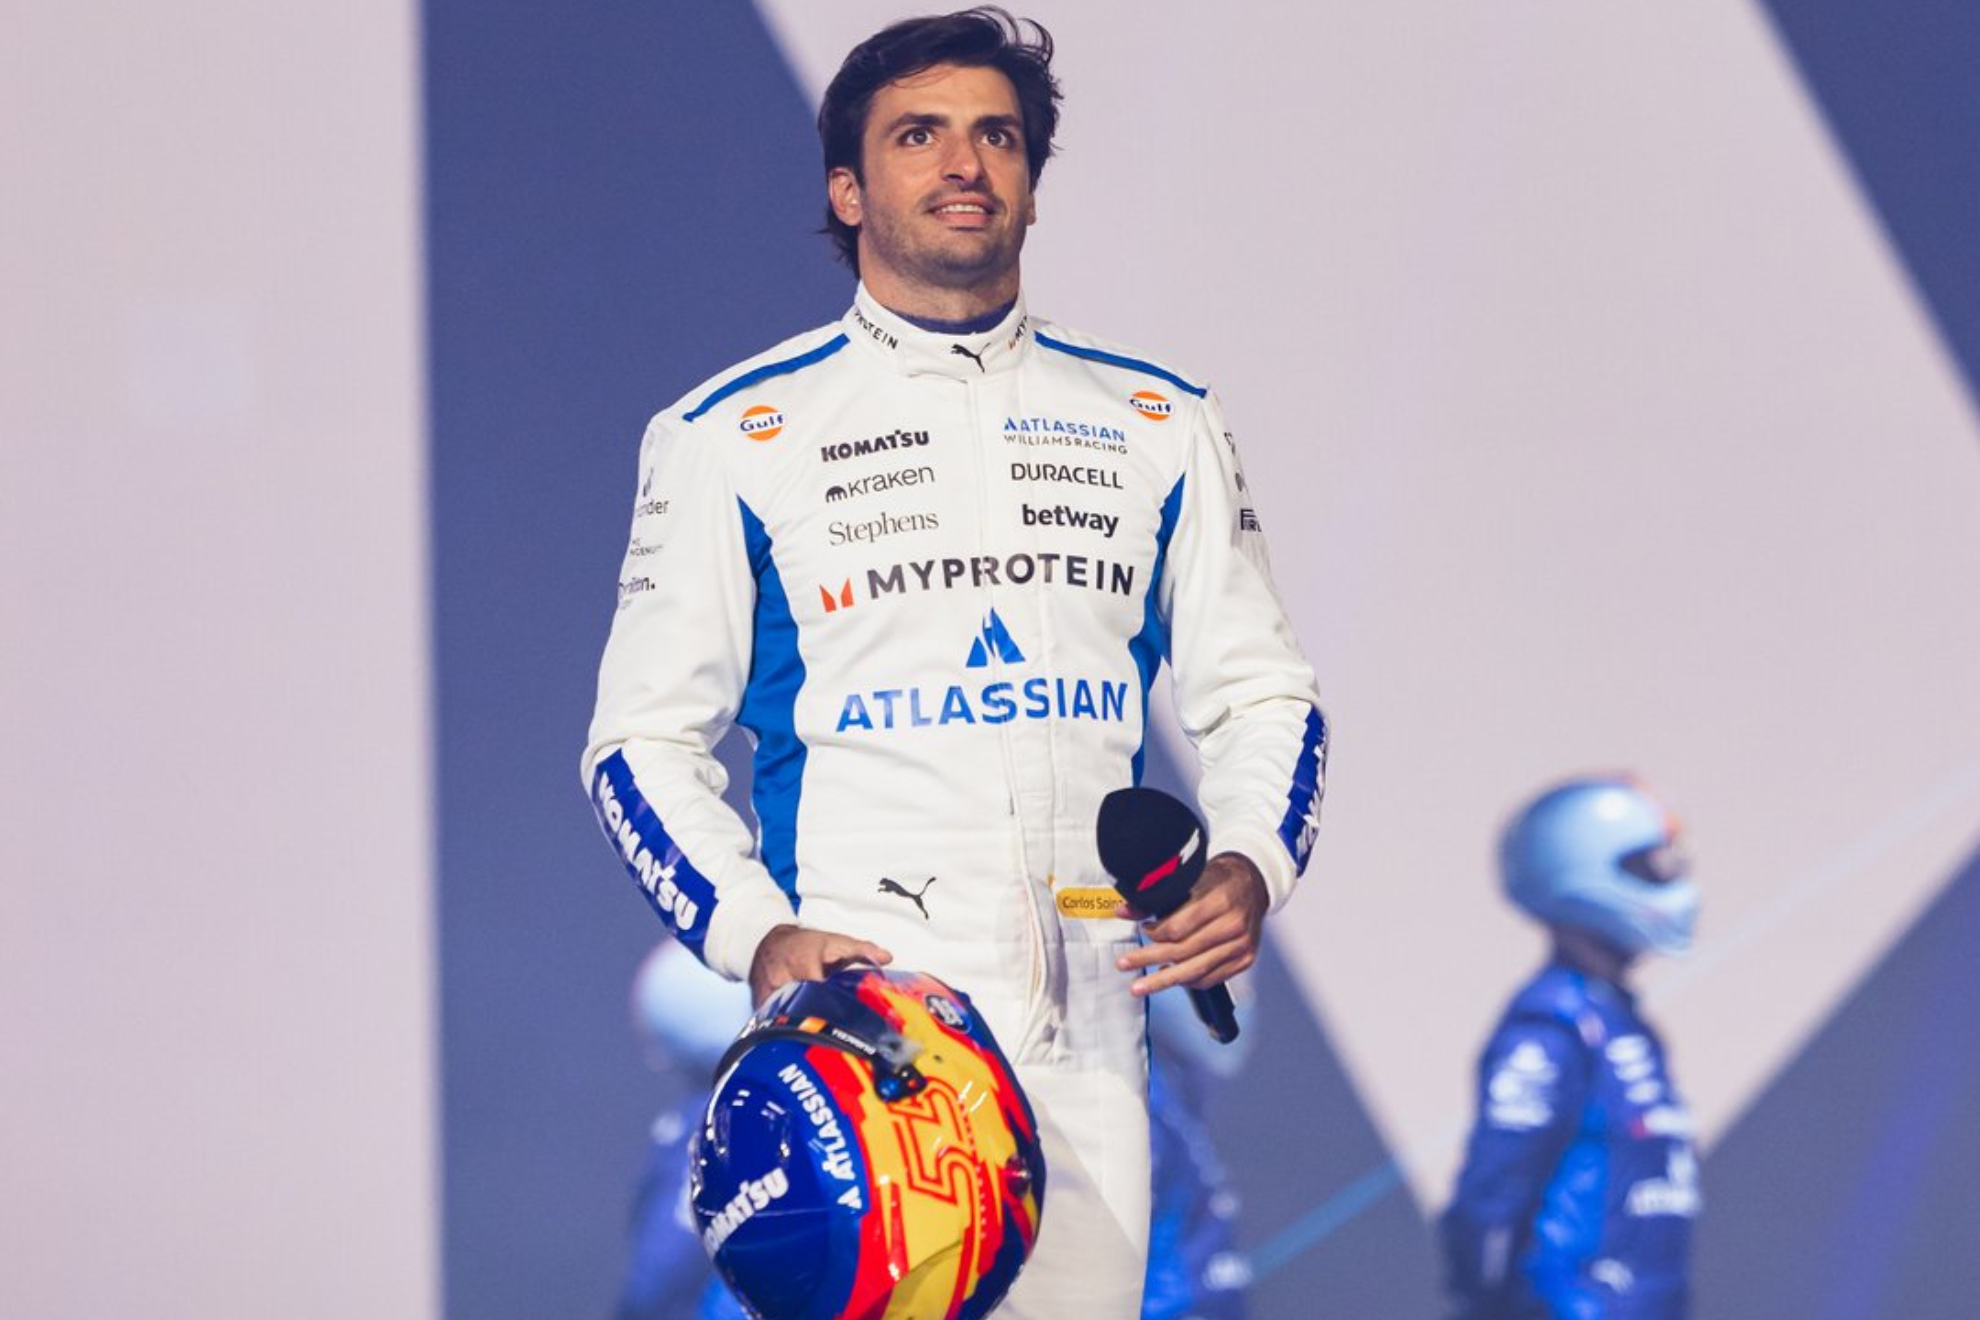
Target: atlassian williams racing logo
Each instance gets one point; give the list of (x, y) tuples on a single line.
[(761, 422), (1041, 697), (1071, 434), (682, 895)]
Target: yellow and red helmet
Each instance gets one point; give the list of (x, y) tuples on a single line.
[(867, 1154)]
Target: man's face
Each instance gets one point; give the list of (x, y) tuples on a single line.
[(946, 196)]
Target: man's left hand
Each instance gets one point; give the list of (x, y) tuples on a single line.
[(1210, 938)]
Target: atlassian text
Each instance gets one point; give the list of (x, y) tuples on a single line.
[(1042, 427), (1067, 473), (1047, 566), (830, 1142), (995, 703)]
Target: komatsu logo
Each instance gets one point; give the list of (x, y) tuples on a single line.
[(655, 876), (754, 1194)]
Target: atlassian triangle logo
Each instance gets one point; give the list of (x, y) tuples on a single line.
[(994, 639)]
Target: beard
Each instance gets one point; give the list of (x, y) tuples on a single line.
[(919, 249)]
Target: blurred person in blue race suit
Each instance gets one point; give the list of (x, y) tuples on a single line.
[(686, 1016), (930, 557), (1580, 1184), (1195, 1269)]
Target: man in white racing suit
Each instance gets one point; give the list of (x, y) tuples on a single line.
[(930, 558)]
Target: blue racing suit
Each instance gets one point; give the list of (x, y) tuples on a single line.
[(1579, 1185)]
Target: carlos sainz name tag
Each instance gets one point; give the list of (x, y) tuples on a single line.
[(1087, 904)]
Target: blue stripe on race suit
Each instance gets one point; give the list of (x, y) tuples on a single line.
[(679, 893), (776, 672), (1302, 818), (763, 373), (1150, 646), (1116, 360)]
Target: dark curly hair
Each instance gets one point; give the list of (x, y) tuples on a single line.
[(986, 36)]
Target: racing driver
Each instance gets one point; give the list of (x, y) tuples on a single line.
[(930, 558)]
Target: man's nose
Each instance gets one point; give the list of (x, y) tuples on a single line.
[(962, 163)]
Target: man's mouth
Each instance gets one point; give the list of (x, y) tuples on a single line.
[(963, 208)]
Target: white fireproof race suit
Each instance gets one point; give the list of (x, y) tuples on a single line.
[(932, 576)]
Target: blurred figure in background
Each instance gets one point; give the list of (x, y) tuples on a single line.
[(1195, 1270), (686, 1015), (1580, 1185)]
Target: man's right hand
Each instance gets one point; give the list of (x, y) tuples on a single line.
[(792, 953)]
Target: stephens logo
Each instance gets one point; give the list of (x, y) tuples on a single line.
[(1151, 405), (762, 422), (879, 444), (877, 482), (881, 527)]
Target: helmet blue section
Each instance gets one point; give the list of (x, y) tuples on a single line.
[(1602, 854), (770, 1190)]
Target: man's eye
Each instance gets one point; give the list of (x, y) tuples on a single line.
[(998, 137), (917, 137)]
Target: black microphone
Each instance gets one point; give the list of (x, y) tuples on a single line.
[(1154, 847)]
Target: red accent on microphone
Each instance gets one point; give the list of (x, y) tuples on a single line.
[(1160, 873)]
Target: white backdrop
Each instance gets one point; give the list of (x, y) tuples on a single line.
[(214, 941)]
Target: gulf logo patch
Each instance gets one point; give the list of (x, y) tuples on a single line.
[(1151, 405), (762, 422)]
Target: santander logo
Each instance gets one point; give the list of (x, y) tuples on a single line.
[(762, 422), (1151, 405)]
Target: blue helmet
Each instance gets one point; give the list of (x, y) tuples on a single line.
[(867, 1152), (1603, 855)]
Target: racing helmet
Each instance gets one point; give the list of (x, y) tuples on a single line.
[(867, 1152), (1602, 854)]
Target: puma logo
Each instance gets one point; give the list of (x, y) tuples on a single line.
[(895, 887), (958, 348)]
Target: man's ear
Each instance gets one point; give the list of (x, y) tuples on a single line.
[(842, 191)]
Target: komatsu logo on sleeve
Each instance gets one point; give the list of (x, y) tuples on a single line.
[(655, 875)]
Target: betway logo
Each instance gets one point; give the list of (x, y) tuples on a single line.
[(655, 876), (1060, 515)]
